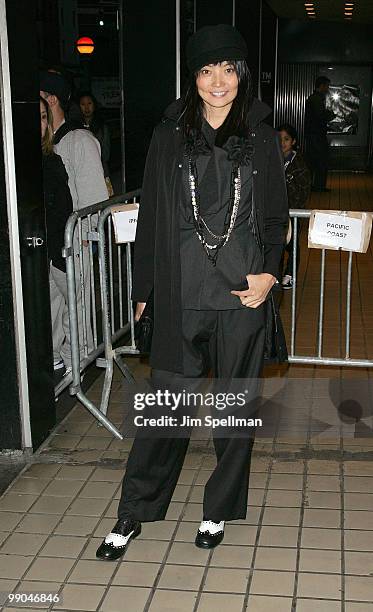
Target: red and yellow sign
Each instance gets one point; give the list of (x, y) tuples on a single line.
[(85, 45)]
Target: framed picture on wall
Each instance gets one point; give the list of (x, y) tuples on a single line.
[(344, 102)]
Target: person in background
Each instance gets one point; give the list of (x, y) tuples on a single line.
[(298, 183), (58, 207), (316, 122), (81, 156), (95, 123)]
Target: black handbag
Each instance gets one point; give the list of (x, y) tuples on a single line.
[(275, 349), (144, 328)]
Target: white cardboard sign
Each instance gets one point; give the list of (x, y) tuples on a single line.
[(125, 222), (349, 231)]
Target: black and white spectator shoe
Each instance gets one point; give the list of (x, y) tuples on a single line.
[(58, 364), (209, 534), (115, 543), (287, 282)]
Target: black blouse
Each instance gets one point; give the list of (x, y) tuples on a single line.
[(204, 286)]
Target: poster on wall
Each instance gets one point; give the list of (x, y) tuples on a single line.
[(344, 102)]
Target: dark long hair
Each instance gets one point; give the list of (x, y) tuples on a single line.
[(291, 131), (237, 120), (97, 121)]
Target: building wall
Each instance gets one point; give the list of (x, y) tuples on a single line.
[(10, 420), (24, 81), (322, 42), (344, 53), (295, 83), (149, 52)]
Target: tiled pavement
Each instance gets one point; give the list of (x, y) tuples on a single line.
[(305, 546)]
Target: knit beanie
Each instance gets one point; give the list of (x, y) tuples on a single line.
[(214, 44)]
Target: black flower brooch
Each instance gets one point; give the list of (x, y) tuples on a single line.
[(196, 144), (239, 150)]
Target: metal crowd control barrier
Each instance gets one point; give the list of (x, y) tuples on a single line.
[(116, 313), (89, 339), (320, 359)]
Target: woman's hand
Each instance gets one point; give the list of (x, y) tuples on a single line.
[(259, 286), (139, 310)]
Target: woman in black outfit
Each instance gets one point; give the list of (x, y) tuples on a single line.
[(211, 161)]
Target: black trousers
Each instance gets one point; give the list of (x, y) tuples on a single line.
[(317, 152), (231, 343)]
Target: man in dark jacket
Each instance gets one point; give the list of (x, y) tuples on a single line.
[(316, 127)]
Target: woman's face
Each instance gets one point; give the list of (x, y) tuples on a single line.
[(217, 85), (43, 119), (287, 142), (87, 106)]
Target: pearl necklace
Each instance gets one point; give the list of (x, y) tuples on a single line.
[(222, 238)]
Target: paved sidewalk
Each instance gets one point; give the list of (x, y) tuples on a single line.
[(306, 544)]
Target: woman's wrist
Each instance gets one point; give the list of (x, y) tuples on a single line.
[(271, 279)]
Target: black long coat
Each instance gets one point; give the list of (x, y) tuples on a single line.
[(157, 249), (298, 182)]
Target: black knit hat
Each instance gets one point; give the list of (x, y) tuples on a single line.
[(55, 84), (214, 44)]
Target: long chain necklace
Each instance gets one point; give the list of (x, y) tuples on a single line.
[(231, 216)]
